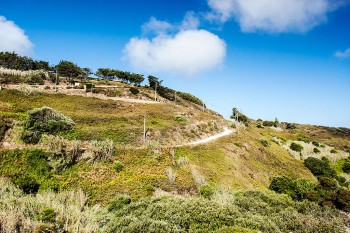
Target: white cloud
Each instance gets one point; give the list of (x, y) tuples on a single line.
[(187, 52), (343, 54), (156, 26), (273, 16), (190, 21), (13, 38)]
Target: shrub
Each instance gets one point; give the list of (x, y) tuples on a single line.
[(316, 150), (27, 184), (3, 129), (268, 123), (171, 174), (118, 166), (180, 118), (45, 228), (264, 142), (315, 143), (64, 153), (328, 183), (102, 150), (183, 161), (319, 167), (89, 86), (341, 179), (206, 191), (343, 199), (134, 90), (334, 151), (296, 147), (291, 126), (284, 185), (303, 139), (190, 98), (119, 202), (303, 187), (28, 90), (346, 167), (44, 120), (48, 215)]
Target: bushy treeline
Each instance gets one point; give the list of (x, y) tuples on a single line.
[(330, 190), (169, 93), (16, 62), (107, 73)]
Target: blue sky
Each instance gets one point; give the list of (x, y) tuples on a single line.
[(288, 59)]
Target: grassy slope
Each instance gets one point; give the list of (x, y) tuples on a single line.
[(101, 119), (238, 161)]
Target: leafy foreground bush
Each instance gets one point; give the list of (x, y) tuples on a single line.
[(296, 147), (320, 167), (28, 169), (44, 120), (47, 212), (326, 193), (248, 211)]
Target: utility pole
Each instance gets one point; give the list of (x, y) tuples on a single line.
[(144, 129), (56, 81), (155, 92)]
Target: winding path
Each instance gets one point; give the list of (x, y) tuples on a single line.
[(209, 139)]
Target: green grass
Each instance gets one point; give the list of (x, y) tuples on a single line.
[(100, 119)]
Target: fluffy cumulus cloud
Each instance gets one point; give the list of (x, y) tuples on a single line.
[(179, 48), (343, 54), (273, 16), (13, 38), (188, 52)]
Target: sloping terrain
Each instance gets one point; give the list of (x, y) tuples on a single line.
[(111, 159)]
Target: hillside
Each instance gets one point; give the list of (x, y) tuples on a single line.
[(111, 159)]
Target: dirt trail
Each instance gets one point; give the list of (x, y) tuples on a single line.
[(209, 139), (79, 92)]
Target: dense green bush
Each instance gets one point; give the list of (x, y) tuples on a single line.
[(268, 123), (44, 120), (119, 202), (29, 169), (134, 90), (319, 167), (343, 199), (315, 143), (180, 118), (206, 191), (190, 98), (249, 210), (296, 189), (296, 147), (316, 150), (334, 151), (291, 126), (284, 185), (27, 184), (346, 166), (264, 142), (4, 126), (47, 215), (118, 166), (303, 139)]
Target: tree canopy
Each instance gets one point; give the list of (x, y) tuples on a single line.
[(16, 62)]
